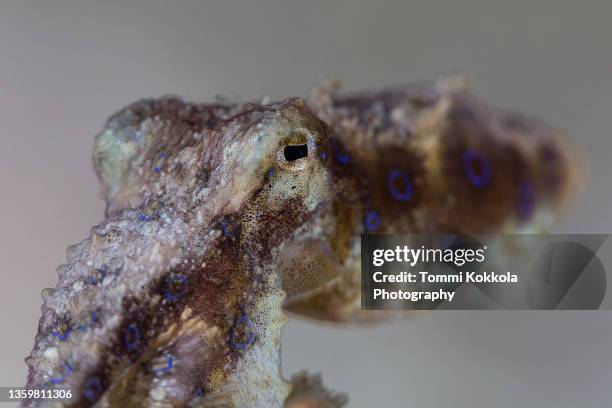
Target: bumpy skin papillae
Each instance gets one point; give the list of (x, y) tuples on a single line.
[(173, 299), (427, 158), (176, 298)]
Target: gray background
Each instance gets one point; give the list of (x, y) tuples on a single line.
[(66, 65)]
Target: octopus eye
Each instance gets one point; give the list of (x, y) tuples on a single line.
[(296, 152)]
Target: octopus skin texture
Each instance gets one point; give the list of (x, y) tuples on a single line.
[(222, 218)]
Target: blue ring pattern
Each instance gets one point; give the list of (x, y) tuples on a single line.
[(478, 179), (393, 178), (131, 337), (93, 389), (372, 221), (173, 295), (237, 346)]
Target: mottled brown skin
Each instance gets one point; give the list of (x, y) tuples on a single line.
[(423, 131), (174, 299), (213, 225)]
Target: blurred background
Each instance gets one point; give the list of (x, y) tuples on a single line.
[(65, 66)]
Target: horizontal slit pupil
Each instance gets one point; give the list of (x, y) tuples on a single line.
[(295, 152)]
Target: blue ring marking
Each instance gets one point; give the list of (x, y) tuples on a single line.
[(227, 231), (343, 158), (93, 389), (157, 168), (169, 365), (63, 336), (271, 172), (66, 372), (250, 337), (94, 316), (526, 199), (481, 179), (323, 155), (372, 221), (93, 280), (199, 392), (131, 337), (393, 177), (144, 217), (172, 280)]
